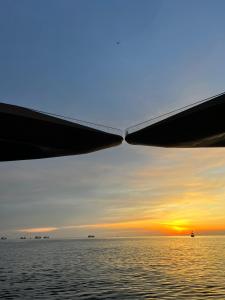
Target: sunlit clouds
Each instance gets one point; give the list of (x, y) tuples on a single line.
[(173, 192)]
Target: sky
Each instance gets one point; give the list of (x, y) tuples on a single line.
[(117, 63)]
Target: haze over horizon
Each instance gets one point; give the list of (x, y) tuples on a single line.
[(117, 63)]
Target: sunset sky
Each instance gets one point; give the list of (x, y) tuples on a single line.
[(117, 63)]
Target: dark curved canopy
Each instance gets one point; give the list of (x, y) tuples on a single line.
[(200, 126), (27, 134)]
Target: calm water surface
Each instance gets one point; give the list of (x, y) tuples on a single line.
[(153, 268)]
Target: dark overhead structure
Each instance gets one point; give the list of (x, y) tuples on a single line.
[(200, 126), (28, 134)]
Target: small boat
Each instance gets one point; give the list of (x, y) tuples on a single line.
[(192, 234), (91, 236), (37, 237), (46, 237), (3, 238), (23, 238)]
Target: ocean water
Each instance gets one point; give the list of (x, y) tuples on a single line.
[(151, 268)]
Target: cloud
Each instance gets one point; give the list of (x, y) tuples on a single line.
[(153, 186), (37, 230)]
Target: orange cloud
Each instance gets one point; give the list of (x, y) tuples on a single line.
[(38, 230)]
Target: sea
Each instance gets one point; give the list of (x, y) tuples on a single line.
[(119, 268)]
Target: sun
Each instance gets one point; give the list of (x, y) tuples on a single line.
[(180, 226)]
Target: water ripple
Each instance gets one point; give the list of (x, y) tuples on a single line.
[(154, 268)]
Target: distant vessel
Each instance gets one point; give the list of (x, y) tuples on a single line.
[(3, 238), (91, 236), (192, 234), (23, 238), (45, 237), (37, 237)]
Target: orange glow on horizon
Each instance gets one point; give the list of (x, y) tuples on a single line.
[(170, 227), (177, 227), (141, 227)]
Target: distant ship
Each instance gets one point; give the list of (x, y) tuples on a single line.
[(23, 238), (91, 236), (46, 237), (37, 237), (3, 238), (192, 234)]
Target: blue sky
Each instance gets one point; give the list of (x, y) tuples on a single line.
[(64, 57)]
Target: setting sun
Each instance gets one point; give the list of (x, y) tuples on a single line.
[(177, 226)]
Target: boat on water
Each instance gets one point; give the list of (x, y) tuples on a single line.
[(192, 234), (3, 238), (91, 236)]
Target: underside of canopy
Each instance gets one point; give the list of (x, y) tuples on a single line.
[(28, 134), (200, 126)]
